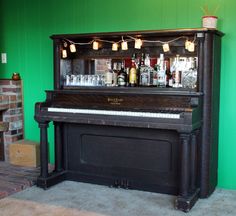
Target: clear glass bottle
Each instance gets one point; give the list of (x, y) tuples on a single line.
[(146, 71), (109, 74), (143, 72), (176, 74), (169, 81), (155, 75), (115, 74), (161, 72), (147, 62)]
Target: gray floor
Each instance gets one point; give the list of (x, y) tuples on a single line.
[(73, 198)]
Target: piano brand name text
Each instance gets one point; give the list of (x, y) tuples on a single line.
[(115, 101)]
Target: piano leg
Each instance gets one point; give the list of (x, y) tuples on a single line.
[(41, 181), (44, 149), (184, 182), (193, 162), (46, 179), (188, 193)]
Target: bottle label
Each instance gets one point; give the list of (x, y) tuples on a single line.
[(108, 78), (155, 78), (132, 76), (144, 79), (151, 80), (161, 78), (121, 80), (144, 76)]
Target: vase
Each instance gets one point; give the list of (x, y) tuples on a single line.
[(15, 76), (209, 22)]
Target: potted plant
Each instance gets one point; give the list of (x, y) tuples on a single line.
[(209, 20)]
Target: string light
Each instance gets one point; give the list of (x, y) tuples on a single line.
[(166, 47), (95, 45), (187, 42), (138, 43), (189, 45), (65, 44), (124, 45), (72, 48), (114, 47), (64, 53)]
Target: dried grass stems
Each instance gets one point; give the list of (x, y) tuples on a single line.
[(208, 12)]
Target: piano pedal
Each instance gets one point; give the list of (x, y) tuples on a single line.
[(121, 183), (116, 184), (127, 185)]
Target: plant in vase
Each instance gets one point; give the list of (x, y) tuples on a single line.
[(209, 20)]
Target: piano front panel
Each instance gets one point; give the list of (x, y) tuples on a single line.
[(145, 158)]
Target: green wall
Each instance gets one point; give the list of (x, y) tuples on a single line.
[(26, 26)]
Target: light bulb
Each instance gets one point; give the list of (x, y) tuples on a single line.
[(191, 47), (64, 53), (65, 44), (187, 42), (138, 43), (95, 45), (166, 47), (124, 45), (72, 48), (114, 46)]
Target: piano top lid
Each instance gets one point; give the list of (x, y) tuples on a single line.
[(142, 33)]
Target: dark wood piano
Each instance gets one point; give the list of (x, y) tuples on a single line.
[(148, 138)]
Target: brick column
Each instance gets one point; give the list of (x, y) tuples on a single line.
[(12, 111)]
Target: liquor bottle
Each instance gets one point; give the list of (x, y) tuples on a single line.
[(172, 70), (127, 76), (122, 76), (169, 81), (137, 63), (109, 74), (155, 73), (143, 72), (161, 72), (133, 73), (147, 62), (115, 74), (146, 71), (154, 78), (176, 74)]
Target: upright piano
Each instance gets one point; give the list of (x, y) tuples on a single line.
[(158, 139)]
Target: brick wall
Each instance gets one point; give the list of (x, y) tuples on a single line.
[(11, 111)]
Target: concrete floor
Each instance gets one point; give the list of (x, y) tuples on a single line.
[(74, 198)]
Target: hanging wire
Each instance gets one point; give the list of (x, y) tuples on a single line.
[(130, 39)]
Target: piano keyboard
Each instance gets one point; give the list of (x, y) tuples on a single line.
[(115, 113)]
